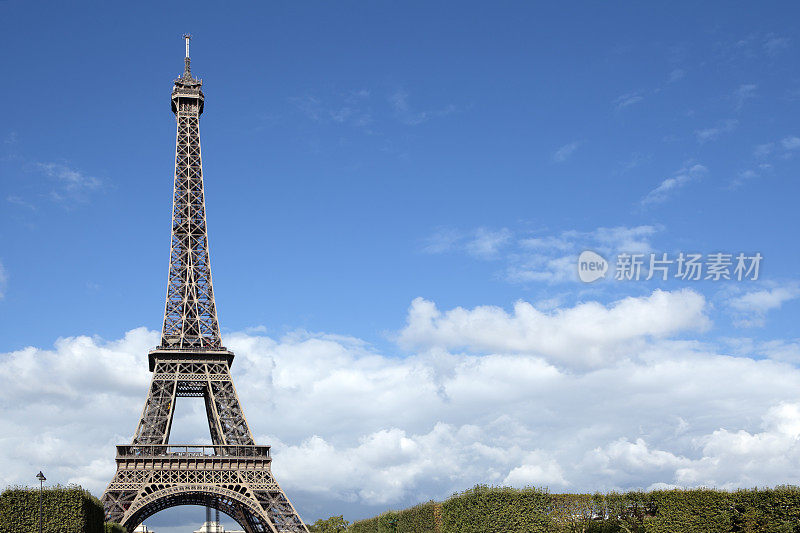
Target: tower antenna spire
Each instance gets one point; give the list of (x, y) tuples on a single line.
[(187, 70)]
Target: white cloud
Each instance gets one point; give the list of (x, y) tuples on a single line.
[(350, 109), (763, 150), (731, 458), (545, 243), (784, 148), (623, 458), (587, 335), (676, 74), (747, 175), (728, 459), (624, 238), (790, 143), (483, 243), (353, 427), (627, 99), (687, 174), (774, 44), (487, 243), (59, 406), (442, 240), (539, 257), (636, 160), (713, 133), (537, 469), (70, 185), (779, 350), (564, 153), (19, 201), (764, 300), (73, 181), (399, 101), (743, 93), (753, 306), (309, 105)]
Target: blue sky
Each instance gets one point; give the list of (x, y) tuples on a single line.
[(360, 156)]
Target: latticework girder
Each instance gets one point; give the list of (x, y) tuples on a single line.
[(232, 475), (190, 314), (237, 480)]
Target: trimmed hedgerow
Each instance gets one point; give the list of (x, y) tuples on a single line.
[(710, 511), (485, 509), (573, 512), (113, 527), (503, 510), (370, 525), (421, 518), (387, 522), (775, 509), (384, 523), (64, 510)]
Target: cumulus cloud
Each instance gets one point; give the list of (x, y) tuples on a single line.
[(632, 460), (59, 405), (588, 334), (761, 458), (539, 467), (487, 397), (726, 459)]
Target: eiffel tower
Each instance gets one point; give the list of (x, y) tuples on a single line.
[(233, 474)]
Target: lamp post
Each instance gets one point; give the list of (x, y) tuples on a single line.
[(41, 479)]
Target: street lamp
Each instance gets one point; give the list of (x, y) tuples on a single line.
[(41, 479)]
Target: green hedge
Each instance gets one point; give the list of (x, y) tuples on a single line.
[(334, 524), (423, 518), (767, 510), (113, 527), (504, 510), (64, 510), (370, 525), (710, 511), (497, 510), (387, 522)]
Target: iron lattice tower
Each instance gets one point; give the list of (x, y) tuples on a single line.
[(233, 474)]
